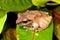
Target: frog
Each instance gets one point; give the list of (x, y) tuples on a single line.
[(37, 20)]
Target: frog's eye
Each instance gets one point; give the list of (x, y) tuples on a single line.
[(26, 21)]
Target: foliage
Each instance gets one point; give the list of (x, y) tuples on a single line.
[(27, 35), (39, 2), (57, 1), (22, 5), (12, 5), (15, 5), (3, 16)]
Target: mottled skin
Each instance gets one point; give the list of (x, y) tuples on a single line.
[(37, 19)]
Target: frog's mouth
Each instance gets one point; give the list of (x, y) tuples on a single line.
[(27, 25)]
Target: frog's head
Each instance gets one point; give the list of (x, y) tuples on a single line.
[(23, 19)]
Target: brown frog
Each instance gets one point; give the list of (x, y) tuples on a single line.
[(38, 20)]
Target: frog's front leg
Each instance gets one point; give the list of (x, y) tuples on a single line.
[(44, 22), (41, 23)]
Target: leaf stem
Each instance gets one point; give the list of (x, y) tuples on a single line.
[(33, 35)]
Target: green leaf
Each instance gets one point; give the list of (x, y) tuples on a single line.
[(39, 2), (57, 1), (3, 16), (22, 34), (27, 35), (46, 34), (15, 5)]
